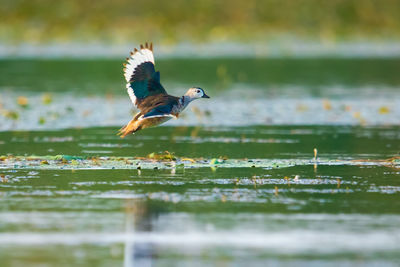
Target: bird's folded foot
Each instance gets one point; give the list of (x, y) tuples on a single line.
[(130, 128)]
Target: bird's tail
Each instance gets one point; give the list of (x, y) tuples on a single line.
[(130, 128)]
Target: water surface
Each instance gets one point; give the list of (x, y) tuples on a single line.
[(278, 109)]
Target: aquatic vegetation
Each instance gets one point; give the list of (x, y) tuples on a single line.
[(42, 120), (165, 156), (10, 114), (163, 161)]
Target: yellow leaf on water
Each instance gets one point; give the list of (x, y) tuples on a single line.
[(47, 99), (22, 101), (166, 156), (301, 108), (327, 105), (188, 159), (357, 114), (384, 110)]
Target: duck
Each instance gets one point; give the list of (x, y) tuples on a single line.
[(147, 94)]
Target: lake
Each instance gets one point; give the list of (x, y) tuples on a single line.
[(293, 161)]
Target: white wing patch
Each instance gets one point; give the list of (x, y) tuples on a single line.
[(157, 116), (131, 93), (137, 57)]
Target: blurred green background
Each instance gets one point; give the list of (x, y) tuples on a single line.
[(170, 22)]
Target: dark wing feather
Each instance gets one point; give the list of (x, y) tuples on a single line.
[(145, 81), (142, 79)]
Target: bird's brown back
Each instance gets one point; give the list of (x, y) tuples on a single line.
[(150, 102)]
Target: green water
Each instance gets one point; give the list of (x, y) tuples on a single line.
[(105, 76), (309, 215), (272, 142)]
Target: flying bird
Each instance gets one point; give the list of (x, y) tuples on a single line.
[(148, 95)]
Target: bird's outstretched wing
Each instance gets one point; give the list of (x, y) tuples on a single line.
[(142, 79)]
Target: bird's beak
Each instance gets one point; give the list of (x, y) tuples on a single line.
[(205, 96)]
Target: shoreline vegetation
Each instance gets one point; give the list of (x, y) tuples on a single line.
[(279, 48), (200, 21)]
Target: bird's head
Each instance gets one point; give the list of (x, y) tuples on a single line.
[(195, 93)]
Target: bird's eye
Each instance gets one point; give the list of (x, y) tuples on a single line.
[(198, 91)]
